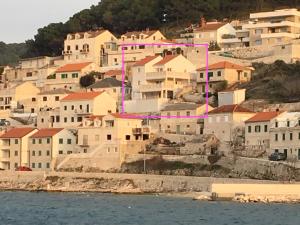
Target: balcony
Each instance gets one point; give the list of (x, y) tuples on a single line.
[(139, 131), (67, 52), (157, 87), (84, 51), (270, 24), (81, 112), (167, 74), (279, 35)]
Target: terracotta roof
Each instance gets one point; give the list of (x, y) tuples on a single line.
[(92, 33), (126, 116), (145, 60), (230, 109), (113, 72), (263, 116), (17, 132), (93, 117), (47, 132), (211, 26), (137, 33), (82, 96), (223, 65), (75, 67), (165, 60)]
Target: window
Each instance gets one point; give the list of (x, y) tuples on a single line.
[(258, 31), (64, 76), (69, 152), (48, 140), (291, 136), (245, 74), (60, 152), (257, 129), (299, 135), (108, 137), (61, 141), (266, 128), (108, 150), (47, 165), (210, 74), (72, 107), (65, 108), (33, 165), (116, 149), (188, 113), (249, 129), (283, 137), (80, 106), (40, 153), (201, 75), (16, 141), (79, 119), (44, 99), (74, 75), (40, 141), (276, 137), (168, 114), (48, 153), (187, 126), (65, 119), (178, 114), (72, 119), (219, 73), (33, 99), (288, 123), (276, 124), (57, 98), (16, 165), (258, 42), (69, 141), (127, 137), (33, 153), (40, 165), (16, 153)]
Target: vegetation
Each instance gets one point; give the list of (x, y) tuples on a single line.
[(120, 16), (87, 80), (280, 79)]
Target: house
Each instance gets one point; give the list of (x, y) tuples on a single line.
[(19, 95), (117, 74), (157, 80), (49, 146), (77, 105), (227, 122), (220, 75), (273, 27), (68, 76), (14, 148), (87, 46), (208, 32), (113, 87), (257, 132), (170, 124), (285, 135), (50, 99)]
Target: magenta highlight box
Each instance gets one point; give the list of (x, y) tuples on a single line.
[(137, 116)]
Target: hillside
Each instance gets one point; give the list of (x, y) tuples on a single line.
[(11, 53), (278, 82), (120, 16)]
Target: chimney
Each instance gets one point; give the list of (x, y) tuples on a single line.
[(202, 22)]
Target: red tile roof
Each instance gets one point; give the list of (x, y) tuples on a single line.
[(211, 26), (75, 67), (82, 96), (126, 116), (113, 72), (92, 33), (17, 132), (223, 65), (230, 109), (165, 60), (145, 60), (263, 116), (47, 132), (93, 117)]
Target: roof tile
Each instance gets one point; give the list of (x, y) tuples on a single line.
[(230, 109), (72, 67), (47, 132), (17, 132), (263, 116), (82, 96)]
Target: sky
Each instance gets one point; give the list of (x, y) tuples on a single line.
[(20, 19)]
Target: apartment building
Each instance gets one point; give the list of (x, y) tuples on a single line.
[(68, 76), (170, 124), (219, 73), (87, 46), (227, 122), (257, 132), (156, 80), (285, 135), (273, 27), (49, 146), (14, 148)]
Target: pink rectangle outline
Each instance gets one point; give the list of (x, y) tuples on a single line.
[(125, 115)]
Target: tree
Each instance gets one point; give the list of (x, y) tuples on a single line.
[(87, 80), (213, 46)]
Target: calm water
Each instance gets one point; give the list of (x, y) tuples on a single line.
[(70, 208)]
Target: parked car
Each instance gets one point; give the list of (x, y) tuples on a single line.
[(277, 156), (23, 168)]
